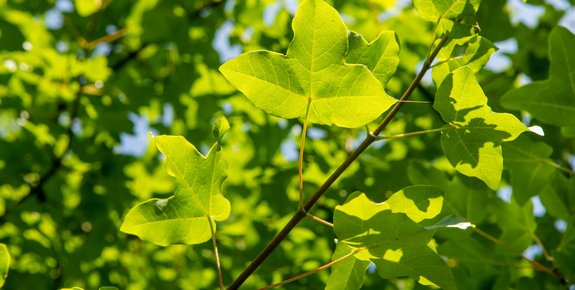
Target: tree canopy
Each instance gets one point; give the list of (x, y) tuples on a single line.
[(377, 144)]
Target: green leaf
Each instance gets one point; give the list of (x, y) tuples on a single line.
[(529, 174), (418, 202), (557, 196), (381, 56), (221, 126), (4, 263), (464, 196), (516, 221), (474, 133), (347, 274), (312, 77), (553, 100), (477, 51), (184, 217), (432, 10), (397, 245)]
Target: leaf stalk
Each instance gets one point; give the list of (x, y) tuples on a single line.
[(216, 253)]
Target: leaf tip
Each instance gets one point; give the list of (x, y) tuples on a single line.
[(221, 126)]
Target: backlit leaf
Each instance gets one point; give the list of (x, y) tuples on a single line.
[(553, 100), (464, 196), (381, 56), (432, 10), (476, 53), (347, 274), (184, 217), (312, 75), (382, 234), (474, 133)]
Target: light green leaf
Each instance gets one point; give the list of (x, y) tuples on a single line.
[(418, 202), (553, 100), (464, 196), (221, 126), (184, 217), (347, 274), (524, 160), (477, 51), (397, 245), (472, 144), (432, 10), (4, 263), (312, 77), (455, 29), (381, 56)]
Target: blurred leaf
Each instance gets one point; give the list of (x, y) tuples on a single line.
[(4, 263), (87, 7), (529, 174), (517, 222), (553, 100)]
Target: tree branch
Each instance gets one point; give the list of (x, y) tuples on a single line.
[(298, 216)]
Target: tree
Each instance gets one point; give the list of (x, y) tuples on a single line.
[(315, 132)]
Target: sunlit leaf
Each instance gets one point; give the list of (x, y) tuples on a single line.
[(184, 217), (417, 202), (474, 133), (397, 245), (347, 274), (381, 56), (432, 10), (464, 196), (477, 51), (312, 75)]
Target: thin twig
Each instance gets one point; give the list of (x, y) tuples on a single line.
[(312, 271), (313, 217), (538, 265)]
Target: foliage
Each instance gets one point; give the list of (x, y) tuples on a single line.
[(451, 188)]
